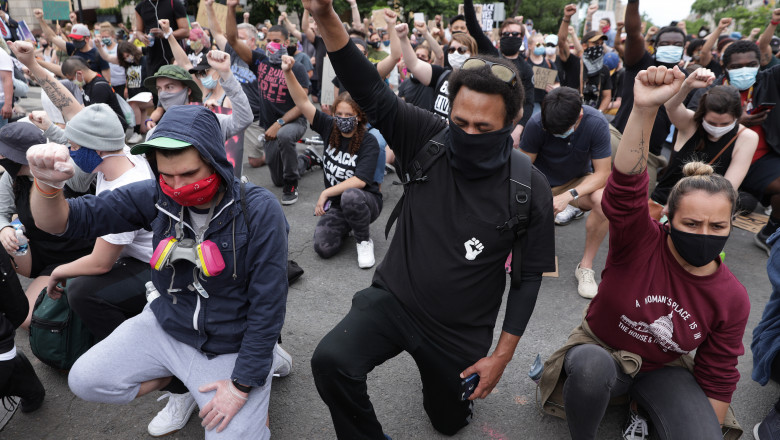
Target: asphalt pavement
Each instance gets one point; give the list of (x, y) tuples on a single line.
[(323, 296)]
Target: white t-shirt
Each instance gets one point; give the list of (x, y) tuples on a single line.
[(137, 244), (6, 64), (117, 71)]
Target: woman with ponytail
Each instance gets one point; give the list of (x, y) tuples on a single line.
[(351, 200)]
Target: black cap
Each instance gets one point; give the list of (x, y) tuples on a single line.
[(201, 66), (16, 138)]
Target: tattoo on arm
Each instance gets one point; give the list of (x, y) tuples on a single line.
[(641, 164), (58, 96)]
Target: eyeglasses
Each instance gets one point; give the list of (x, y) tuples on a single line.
[(461, 50), (501, 71), (512, 34), (422, 58)]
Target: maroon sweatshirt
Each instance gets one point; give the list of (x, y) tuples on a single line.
[(649, 305)]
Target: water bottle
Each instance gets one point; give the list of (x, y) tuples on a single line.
[(536, 369), (20, 238), (151, 292), (151, 40)]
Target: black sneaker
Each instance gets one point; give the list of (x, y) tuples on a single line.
[(289, 194), (769, 428), (314, 158), (760, 240)]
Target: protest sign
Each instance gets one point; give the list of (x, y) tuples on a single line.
[(544, 77)]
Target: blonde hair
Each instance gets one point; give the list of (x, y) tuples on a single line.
[(106, 26), (700, 176)]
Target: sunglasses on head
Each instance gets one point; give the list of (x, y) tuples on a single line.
[(512, 34), (461, 50), (500, 71)]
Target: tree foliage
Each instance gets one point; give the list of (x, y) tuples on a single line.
[(745, 18)]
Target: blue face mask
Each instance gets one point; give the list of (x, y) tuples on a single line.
[(743, 78), (208, 82), (539, 51), (566, 134), (386, 43), (668, 54), (86, 158)]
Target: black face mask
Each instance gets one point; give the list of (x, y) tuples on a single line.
[(478, 155), (291, 49), (374, 44), (11, 167), (79, 44), (510, 45), (697, 249)]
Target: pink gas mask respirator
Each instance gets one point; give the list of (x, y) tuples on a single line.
[(203, 254)]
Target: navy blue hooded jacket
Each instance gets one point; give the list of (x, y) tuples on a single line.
[(245, 309)]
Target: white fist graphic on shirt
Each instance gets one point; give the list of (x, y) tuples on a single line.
[(473, 247)]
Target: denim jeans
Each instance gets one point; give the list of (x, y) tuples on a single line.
[(677, 406)]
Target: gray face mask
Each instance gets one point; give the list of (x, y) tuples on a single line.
[(168, 99)]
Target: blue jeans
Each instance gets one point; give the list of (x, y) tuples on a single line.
[(677, 406)]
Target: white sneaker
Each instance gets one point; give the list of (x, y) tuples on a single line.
[(282, 362), (174, 416), (636, 427), (135, 138), (586, 279), (568, 215), (365, 251)]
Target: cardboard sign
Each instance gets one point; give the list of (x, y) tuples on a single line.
[(327, 90), (752, 223), (23, 32), (220, 12), (56, 10), (378, 17), (419, 16), (484, 15), (544, 77)]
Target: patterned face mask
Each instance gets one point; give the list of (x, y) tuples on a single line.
[(346, 125)]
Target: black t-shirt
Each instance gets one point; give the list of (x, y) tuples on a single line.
[(527, 79), (569, 71), (339, 165), (319, 53), (136, 74), (595, 85), (91, 57), (275, 99), (662, 123), (151, 11), (440, 85), (453, 298), (709, 149), (196, 58), (99, 91), (413, 92), (247, 77), (539, 94)]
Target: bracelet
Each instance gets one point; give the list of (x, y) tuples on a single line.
[(233, 391), (567, 21), (47, 195), (150, 119)]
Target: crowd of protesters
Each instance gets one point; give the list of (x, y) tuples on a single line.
[(657, 136)]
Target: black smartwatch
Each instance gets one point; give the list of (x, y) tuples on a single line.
[(574, 193), (242, 388)]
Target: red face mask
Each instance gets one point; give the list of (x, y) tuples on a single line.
[(605, 29), (193, 194)]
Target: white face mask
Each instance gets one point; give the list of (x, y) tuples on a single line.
[(457, 59), (717, 132)]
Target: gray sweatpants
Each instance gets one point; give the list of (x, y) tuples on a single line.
[(281, 154), (140, 350)]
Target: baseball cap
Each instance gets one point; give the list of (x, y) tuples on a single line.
[(551, 39), (161, 142), (593, 36), (79, 32), (16, 138)]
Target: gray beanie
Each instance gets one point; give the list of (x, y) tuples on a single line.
[(96, 127)]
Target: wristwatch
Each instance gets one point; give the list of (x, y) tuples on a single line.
[(574, 193), (281, 122), (242, 388)]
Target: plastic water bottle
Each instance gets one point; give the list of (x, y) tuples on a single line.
[(21, 239), (536, 369), (151, 292)]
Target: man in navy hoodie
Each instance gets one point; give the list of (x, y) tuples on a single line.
[(216, 330)]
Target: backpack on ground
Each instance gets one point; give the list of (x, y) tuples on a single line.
[(519, 190), (58, 336)]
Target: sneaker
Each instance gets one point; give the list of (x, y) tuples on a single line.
[(365, 251), (568, 215), (314, 158), (282, 362), (174, 416), (586, 279), (636, 427), (760, 240), (289, 194), (769, 428), (135, 138)]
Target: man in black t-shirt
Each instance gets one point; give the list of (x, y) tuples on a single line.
[(437, 293), (96, 89), (81, 46), (148, 14), (413, 91)]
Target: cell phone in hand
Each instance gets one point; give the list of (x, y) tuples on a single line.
[(768, 106), (468, 385)]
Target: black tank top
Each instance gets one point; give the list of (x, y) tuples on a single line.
[(707, 149)]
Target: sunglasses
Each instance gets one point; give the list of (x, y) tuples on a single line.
[(512, 34), (461, 50), (550, 45), (500, 71)]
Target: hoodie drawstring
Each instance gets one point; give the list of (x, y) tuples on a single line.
[(234, 249)]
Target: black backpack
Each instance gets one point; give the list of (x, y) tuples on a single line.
[(519, 190)]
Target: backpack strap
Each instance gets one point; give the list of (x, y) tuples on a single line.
[(415, 170), (519, 206)]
